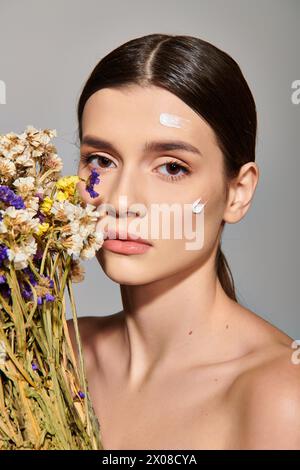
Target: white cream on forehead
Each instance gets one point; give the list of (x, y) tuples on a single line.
[(171, 120)]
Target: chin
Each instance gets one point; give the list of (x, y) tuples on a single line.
[(125, 269)]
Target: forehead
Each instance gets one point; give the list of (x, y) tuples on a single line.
[(138, 111)]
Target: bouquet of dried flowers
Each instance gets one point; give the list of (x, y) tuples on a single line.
[(45, 229)]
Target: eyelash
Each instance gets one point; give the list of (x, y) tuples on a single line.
[(88, 157)]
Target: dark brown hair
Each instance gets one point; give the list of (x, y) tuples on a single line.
[(203, 76)]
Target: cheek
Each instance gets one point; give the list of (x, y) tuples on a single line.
[(196, 236), (181, 240)]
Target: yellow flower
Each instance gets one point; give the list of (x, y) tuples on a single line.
[(46, 205), (42, 228), (61, 196), (68, 184)]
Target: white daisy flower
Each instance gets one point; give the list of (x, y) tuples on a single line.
[(21, 254), (20, 220), (24, 184), (76, 246), (94, 243), (7, 169), (25, 160)]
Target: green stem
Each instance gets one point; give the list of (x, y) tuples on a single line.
[(80, 354), (45, 254)]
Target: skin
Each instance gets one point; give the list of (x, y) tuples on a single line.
[(182, 366)]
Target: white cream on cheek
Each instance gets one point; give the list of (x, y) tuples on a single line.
[(171, 120), (198, 206)]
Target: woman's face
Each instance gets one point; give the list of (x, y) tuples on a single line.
[(128, 119)]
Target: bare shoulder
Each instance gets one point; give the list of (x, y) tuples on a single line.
[(94, 332), (267, 393)]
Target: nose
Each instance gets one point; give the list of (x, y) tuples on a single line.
[(123, 198)]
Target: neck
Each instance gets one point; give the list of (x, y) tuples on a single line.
[(174, 322)]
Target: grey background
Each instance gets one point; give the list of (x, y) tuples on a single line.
[(47, 50)]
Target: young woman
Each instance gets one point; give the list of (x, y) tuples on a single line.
[(170, 120)]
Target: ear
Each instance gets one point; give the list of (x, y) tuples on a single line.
[(240, 193)]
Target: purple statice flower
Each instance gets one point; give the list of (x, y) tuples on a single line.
[(94, 177), (34, 366), (30, 275), (41, 216), (51, 283), (2, 279), (26, 293), (8, 196), (5, 290), (25, 289), (81, 394), (3, 253), (92, 180), (49, 297), (38, 255)]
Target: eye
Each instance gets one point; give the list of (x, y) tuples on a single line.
[(87, 158), (174, 167)]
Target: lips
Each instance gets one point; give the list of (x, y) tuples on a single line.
[(121, 235)]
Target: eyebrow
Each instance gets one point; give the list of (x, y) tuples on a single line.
[(155, 146)]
